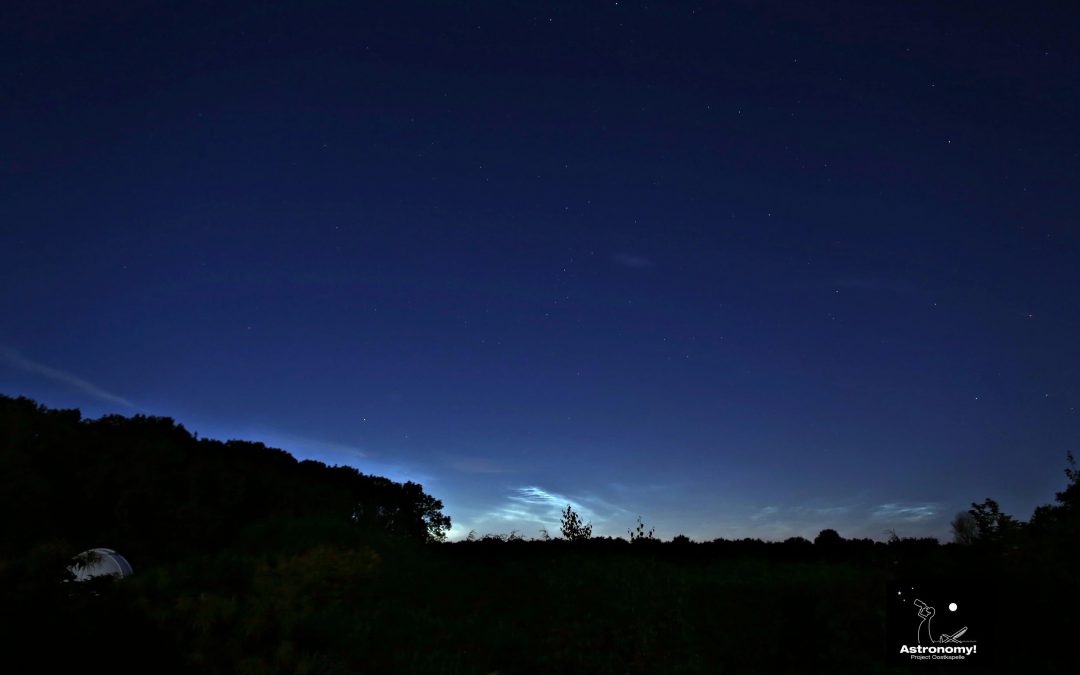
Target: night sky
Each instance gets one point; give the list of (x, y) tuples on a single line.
[(744, 269)]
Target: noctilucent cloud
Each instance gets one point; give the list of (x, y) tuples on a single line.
[(743, 269)]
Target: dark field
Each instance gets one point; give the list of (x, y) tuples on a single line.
[(244, 565)]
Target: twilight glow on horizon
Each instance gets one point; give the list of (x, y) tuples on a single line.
[(744, 270)]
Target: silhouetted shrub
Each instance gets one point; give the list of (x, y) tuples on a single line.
[(639, 535), (964, 528), (828, 538), (573, 529)]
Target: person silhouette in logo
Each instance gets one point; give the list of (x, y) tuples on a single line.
[(926, 613)]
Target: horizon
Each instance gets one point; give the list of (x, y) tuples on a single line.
[(755, 270), (455, 533)]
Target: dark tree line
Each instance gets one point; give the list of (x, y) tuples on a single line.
[(248, 560), (1053, 529), (148, 487)]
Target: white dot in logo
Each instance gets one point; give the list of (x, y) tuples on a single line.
[(952, 606)]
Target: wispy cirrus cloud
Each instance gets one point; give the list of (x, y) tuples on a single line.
[(853, 519), (781, 520), (535, 505), (801, 512), (906, 512), (14, 359), (540, 505), (765, 512), (636, 262)]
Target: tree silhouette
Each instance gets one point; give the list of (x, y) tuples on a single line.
[(158, 492), (1061, 521), (990, 523), (828, 537), (573, 529), (964, 528)]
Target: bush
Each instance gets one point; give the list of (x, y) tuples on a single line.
[(572, 527)]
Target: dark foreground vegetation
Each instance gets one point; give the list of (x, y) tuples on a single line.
[(248, 561)]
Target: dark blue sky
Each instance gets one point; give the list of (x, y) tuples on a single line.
[(745, 269)]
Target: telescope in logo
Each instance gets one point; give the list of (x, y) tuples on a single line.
[(925, 611), (954, 636)]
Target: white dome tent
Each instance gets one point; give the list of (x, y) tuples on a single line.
[(99, 562)]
